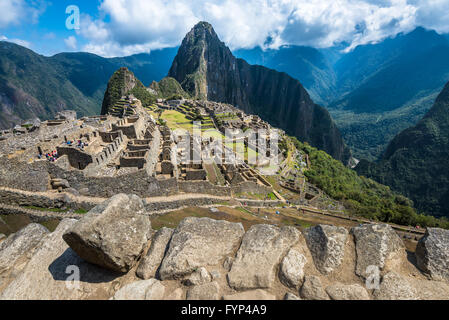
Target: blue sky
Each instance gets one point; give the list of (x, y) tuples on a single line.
[(45, 34), (123, 27)]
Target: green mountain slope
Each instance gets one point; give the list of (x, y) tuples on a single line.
[(415, 162), (169, 88), (362, 196), (372, 92), (32, 85)]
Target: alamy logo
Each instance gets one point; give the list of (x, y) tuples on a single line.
[(373, 277), (73, 20), (73, 280)]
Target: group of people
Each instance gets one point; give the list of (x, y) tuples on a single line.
[(51, 156), (79, 144)]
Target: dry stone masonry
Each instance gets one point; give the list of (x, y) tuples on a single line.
[(119, 256)]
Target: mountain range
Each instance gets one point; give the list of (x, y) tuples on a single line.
[(372, 92), (32, 85)]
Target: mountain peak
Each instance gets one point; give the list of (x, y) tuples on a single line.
[(203, 33), (203, 25), (207, 70), (200, 50)]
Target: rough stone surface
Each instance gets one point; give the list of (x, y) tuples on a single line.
[(113, 234), (152, 260), (199, 242), (431, 290), (291, 272), (177, 294), (227, 264), (432, 253), (198, 277), (258, 294), (208, 291), (215, 275), (327, 246), (375, 245), (312, 289), (150, 289), (46, 274), (261, 251), (20, 243), (395, 287), (291, 296), (340, 291)]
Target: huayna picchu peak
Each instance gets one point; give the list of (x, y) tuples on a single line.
[(207, 69)]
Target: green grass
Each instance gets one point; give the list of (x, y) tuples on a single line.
[(45, 209), (81, 211), (177, 120)]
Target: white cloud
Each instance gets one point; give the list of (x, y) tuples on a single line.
[(20, 42), (71, 43), (141, 25), (15, 12)]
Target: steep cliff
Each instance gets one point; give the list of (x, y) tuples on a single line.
[(415, 162), (207, 69)]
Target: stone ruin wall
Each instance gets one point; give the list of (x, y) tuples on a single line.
[(252, 187), (76, 157), (36, 177), (108, 152), (203, 187)]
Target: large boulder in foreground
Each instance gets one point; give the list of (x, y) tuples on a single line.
[(376, 245), (113, 234), (199, 242), (19, 244), (432, 253), (50, 272), (327, 246), (152, 260), (263, 247)]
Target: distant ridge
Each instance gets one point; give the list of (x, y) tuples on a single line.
[(416, 161)]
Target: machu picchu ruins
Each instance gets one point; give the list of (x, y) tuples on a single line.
[(220, 181), (163, 159)]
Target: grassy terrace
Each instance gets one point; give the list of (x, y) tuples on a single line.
[(246, 217), (256, 196), (177, 120)]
